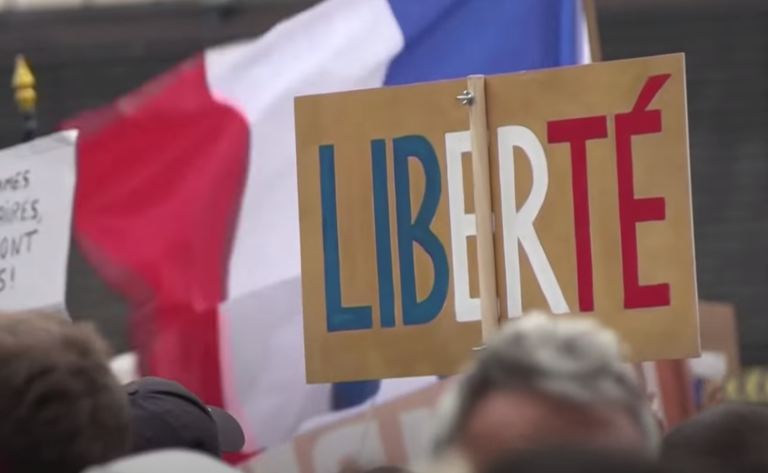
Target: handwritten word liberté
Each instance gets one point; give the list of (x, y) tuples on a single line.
[(518, 225)]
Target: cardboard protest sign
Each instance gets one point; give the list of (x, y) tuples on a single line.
[(720, 361), (591, 198), (593, 192), (37, 188), (719, 332)]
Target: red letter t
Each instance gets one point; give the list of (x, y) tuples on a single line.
[(577, 131)]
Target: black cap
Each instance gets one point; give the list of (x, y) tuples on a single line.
[(164, 414)]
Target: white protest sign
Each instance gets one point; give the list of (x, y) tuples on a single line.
[(37, 187)]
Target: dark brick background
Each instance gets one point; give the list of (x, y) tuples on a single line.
[(85, 58), (726, 47)]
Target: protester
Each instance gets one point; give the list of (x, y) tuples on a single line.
[(164, 414), (61, 409), (729, 438), (386, 469), (575, 460), (353, 467), (545, 380)]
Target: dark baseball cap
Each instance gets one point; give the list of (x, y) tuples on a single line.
[(164, 414)]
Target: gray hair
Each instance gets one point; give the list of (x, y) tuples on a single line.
[(567, 357)]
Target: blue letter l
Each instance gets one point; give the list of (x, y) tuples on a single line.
[(338, 317)]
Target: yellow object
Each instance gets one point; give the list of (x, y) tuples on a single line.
[(752, 391), (23, 83), (750, 386), (732, 390)]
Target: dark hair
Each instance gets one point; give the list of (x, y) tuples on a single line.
[(727, 438), (574, 460), (61, 408), (355, 468)]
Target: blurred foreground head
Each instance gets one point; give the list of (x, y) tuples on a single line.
[(165, 461), (575, 460), (729, 438), (61, 409), (545, 380)]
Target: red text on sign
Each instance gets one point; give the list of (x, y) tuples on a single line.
[(632, 210), (577, 131), (639, 121)]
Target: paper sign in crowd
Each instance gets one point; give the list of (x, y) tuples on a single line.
[(591, 200), (37, 189)]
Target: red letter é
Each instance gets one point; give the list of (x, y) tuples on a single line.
[(639, 121)]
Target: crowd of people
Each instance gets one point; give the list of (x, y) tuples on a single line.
[(548, 394), (63, 410)]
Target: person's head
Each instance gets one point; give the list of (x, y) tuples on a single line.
[(728, 438), (545, 380), (165, 461), (574, 460), (61, 409), (387, 469), (164, 415)]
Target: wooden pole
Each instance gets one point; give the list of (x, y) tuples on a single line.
[(676, 389), (481, 181), (590, 15)]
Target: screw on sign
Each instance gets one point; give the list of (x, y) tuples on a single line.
[(591, 183)]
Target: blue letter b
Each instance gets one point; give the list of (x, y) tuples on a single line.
[(410, 231)]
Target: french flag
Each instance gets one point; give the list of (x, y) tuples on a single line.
[(187, 196)]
